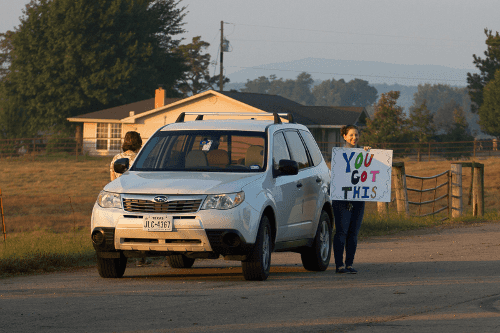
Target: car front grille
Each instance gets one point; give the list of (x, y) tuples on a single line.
[(147, 206)]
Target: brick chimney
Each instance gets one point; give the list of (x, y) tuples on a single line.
[(159, 97)]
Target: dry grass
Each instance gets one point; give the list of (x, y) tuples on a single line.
[(59, 195), (49, 201), (427, 169)]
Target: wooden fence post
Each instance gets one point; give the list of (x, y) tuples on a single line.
[(382, 208), (400, 188), (3, 219), (456, 190), (478, 192)]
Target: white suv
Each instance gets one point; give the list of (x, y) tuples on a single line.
[(240, 189)]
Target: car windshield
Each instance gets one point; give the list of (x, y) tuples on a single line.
[(212, 151)]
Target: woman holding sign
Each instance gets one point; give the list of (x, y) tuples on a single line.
[(348, 216)]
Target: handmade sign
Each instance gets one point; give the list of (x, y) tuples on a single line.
[(359, 175)]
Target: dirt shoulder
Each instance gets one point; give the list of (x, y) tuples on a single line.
[(459, 242)]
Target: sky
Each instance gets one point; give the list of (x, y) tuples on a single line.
[(263, 32)]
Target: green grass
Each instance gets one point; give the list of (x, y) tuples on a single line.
[(45, 251)]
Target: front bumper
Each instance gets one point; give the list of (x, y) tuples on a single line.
[(216, 232)]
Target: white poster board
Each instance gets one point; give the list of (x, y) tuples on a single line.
[(359, 175)]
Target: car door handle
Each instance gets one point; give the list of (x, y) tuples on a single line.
[(299, 185)]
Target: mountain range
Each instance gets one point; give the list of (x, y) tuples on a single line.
[(383, 76), (371, 71)]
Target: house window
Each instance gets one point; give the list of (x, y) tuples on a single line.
[(108, 136)]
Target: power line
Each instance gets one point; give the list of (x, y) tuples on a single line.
[(377, 76), (334, 43), (354, 33)]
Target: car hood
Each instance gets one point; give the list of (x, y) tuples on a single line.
[(134, 182)]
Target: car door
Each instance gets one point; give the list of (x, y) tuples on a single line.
[(306, 183), (318, 177), (285, 191)]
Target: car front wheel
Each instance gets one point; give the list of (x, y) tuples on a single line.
[(258, 263), (317, 257), (111, 267)]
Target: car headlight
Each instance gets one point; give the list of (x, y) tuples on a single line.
[(223, 201), (109, 200)]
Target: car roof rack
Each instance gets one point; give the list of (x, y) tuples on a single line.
[(199, 115)]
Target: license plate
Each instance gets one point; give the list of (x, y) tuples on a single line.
[(157, 223)]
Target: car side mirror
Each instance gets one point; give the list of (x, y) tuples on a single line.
[(121, 165), (288, 167)]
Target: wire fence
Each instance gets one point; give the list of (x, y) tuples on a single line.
[(430, 151), (38, 147), (433, 190), (414, 151)]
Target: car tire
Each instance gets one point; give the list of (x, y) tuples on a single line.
[(317, 257), (112, 267), (180, 261), (256, 266)]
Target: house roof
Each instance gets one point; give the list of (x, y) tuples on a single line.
[(264, 102), (123, 111), (306, 115), (330, 115)]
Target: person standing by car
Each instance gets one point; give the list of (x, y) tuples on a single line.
[(348, 216), (131, 145)]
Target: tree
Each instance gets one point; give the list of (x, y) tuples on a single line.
[(389, 124), (487, 67), (298, 90), (421, 123), (5, 49), (328, 93), (457, 132), (301, 91), (69, 57), (197, 78), (339, 93), (489, 112), (14, 121), (443, 118), (261, 85), (443, 98), (437, 95)]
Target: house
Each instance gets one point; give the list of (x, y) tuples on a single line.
[(103, 130)]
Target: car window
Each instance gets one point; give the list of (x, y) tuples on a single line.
[(297, 149), (312, 146), (218, 151), (280, 150)]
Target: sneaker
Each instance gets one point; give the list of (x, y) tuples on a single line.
[(350, 270), (340, 270)]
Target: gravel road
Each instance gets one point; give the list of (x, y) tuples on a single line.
[(437, 280)]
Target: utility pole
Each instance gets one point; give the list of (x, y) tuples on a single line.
[(221, 80)]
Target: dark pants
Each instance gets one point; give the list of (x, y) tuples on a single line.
[(347, 224)]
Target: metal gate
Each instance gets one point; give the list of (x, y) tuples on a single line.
[(434, 200)]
